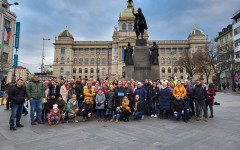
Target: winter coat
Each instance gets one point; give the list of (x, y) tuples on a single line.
[(100, 99), (189, 92), (211, 93), (199, 93), (89, 93), (129, 93), (125, 106), (139, 106), (147, 88), (17, 94), (117, 98), (53, 114), (61, 105), (71, 106), (64, 92), (35, 90), (165, 99), (87, 107), (154, 95), (109, 99), (142, 93), (180, 90)]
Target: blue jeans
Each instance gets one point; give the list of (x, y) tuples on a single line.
[(36, 106), (116, 116), (138, 115), (99, 113), (16, 113), (53, 119)]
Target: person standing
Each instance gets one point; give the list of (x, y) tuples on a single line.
[(210, 100), (64, 91), (18, 94), (35, 92), (154, 94), (199, 94)]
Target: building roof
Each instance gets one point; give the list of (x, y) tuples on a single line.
[(196, 32), (65, 33), (236, 14), (20, 67), (127, 12)]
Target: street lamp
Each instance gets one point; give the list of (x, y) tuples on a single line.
[(172, 53), (42, 66), (97, 53), (3, 11)]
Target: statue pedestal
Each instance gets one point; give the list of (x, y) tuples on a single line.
[(142, 69)]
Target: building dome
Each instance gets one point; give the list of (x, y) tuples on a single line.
[(197, 32), (127, 12), (65, 33)]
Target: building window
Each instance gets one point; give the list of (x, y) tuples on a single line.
[(81, 51), (75, 52), (86, 70), (110, 60), (92, 70), (162, 51), (180, 51), (86, 51), (163, 70), (175, 70), (104, 61), (74, 77), (62, 50), (162, 60), (104, 51), (62, 60), (92, 61), (130, 27), (98, 60), (81, 61), (75, 61), (168, 51), (174, 60), (174, 51), (168, 60), (86, 61), (110, 51), (237, 31), (169, 70), (80, 70), (181, 70), (56, 60), (92, 51), (98, 51), (62, 70), (181, 77), (74, 70), (124, 27)]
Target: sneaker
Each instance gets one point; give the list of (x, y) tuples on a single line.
[(40, 122), (33, 123), (13, 129), (20, 125), (211, 116), (205, 119), (152, 116), (198, 118), (76, 120), (116, 120), (155, 116), (142, 117)]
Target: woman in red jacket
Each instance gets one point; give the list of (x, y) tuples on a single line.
[(210, 101)]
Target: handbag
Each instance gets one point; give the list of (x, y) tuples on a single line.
[(44, 100)]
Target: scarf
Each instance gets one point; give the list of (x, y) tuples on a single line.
[(66, 86)]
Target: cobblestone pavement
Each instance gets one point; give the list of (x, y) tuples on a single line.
[(220, 133)]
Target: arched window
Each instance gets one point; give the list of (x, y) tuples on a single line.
[(80, 70), (62, 70), (75, 61), (168, 60), (181, 70), (81, 61), (86, 70), (162, 60), (169, 70), (74, 70), (124, 27), (163, 70), (174, 60), (92, 70), (175, 70), (92, 60), (104, 61), (130, 27)]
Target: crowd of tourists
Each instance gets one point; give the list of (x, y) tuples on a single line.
[(56, 102)]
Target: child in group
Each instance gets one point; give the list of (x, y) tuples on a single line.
[(54, 115), (100, 102), (72, 108), (116, 115)]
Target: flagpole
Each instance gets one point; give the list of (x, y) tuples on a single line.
[(2, 48)]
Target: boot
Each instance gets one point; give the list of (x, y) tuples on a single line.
[(116, 120)]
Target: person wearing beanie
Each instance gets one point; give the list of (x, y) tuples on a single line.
[(54, 115)]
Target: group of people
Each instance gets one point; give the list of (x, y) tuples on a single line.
[(227, 85), (103, 100)]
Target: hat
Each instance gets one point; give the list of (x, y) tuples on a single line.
[(201, 78), (182, 82), (139, 83), (55, 106)]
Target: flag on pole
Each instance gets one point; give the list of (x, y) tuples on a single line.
[(7, 34)]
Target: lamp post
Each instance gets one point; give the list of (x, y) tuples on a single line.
[(97, 53), (172, 53), (3, 11), (42, 66)]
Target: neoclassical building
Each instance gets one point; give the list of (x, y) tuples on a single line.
[(87, 59)]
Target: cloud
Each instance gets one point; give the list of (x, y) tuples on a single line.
[(94, 20)]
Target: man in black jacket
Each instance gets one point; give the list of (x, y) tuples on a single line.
[(199, 94), (17, 94)]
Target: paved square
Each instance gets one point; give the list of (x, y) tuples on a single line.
[(220, 133)]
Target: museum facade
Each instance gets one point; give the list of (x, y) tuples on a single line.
[(87, 59)]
